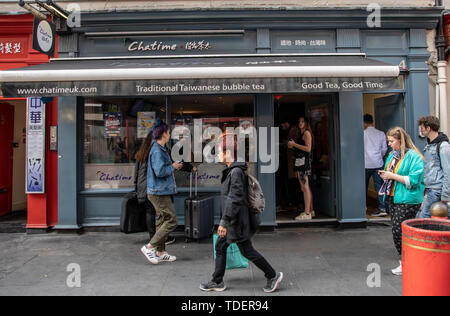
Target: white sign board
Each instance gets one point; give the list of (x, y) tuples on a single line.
[(35, 166)]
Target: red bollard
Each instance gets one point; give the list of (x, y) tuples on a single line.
[(426, 257)]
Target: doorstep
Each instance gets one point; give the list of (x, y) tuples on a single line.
[(14, 222), (321, 222)]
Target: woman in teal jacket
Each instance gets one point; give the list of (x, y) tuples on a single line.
[(404, 185)]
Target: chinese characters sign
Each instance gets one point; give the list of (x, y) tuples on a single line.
[(303, 43), (11, 48), (35, 176)]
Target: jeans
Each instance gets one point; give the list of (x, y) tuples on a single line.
[(378, 182), (167, 220), (247, 251), (431, 196)]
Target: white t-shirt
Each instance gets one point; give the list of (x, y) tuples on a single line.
[(375, 147)]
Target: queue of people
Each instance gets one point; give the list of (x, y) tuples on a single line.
[(411, 181), (407, 182)]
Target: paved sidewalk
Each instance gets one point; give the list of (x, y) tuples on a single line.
[(315, 261)]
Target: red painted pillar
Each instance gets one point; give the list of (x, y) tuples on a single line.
[(52, 167)]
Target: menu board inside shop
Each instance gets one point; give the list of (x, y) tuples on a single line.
[(145, 121), (35, 165)]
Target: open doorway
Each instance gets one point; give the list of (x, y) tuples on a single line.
[(13, 200), (317, 109), (388, 111)]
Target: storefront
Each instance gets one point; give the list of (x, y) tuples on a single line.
[(242, 69), (16, 32)]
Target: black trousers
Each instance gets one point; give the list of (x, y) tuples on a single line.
[(399, 214), (150, 218), (247, 251)]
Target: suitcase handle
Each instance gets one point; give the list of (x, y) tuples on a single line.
[(196, 183)]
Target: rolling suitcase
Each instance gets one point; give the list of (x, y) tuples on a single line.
[(133, 217), (199, 214)]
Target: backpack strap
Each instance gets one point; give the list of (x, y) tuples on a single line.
[(246, 183), (438, 150)]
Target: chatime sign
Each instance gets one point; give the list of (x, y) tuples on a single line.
[(157, 46)]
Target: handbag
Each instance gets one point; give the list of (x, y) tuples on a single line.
[(301, 161), (235, 260)]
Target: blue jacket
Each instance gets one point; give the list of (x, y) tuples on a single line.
[(437, 171), (160, 173)]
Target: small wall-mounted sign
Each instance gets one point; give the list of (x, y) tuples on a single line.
[(44, 35), (53, 138)]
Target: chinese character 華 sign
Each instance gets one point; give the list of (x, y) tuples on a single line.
[(35, 170)]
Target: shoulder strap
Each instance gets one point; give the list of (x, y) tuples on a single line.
[(231, 173), (438, 151)]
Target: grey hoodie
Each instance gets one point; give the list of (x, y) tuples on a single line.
[(437, 171)]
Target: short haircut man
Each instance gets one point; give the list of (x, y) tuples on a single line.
[(437, 164), (375, 148), (431, 122), (368, 119)]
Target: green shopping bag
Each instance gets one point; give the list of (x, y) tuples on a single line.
[(235, 260)]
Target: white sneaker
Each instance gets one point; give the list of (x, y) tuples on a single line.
[(303, 216), (165, 257), (150, 254), (398, 270)]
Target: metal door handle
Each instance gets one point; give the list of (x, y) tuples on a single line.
[(3, 190)]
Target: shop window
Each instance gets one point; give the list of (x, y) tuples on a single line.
[(113, 132), (211, 111)]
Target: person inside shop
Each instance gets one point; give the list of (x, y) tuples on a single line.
[(119, 152), (375, 148), (403, 185), (437, 164), (294, 199), (303, 165), (238, 224), (282, 172), (160, 190)]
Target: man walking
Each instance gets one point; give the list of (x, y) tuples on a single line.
[(437, 165), (375, 148)]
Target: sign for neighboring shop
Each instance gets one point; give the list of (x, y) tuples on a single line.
[(35, 165), (44, 36), (12, 48)]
